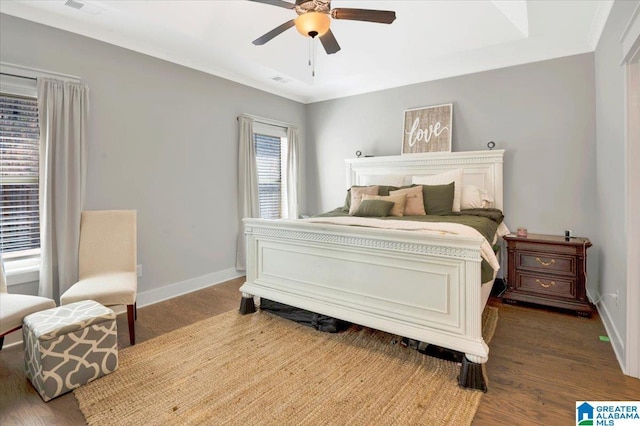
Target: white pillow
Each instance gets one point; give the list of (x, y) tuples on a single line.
[(475, 198), (443, 179), (387, 180)]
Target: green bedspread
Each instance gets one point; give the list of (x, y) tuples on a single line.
[(485, 221)]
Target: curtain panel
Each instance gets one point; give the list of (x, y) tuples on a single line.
[(64, 108), (248, 201), (293, 172)]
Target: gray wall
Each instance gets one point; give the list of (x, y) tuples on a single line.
[(162, 140), (541, 113), (610, 180)]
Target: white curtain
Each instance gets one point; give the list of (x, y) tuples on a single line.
[(293, 172), (63, 108), (248, 201)]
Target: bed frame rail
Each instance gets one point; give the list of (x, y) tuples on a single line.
[(423, 287)]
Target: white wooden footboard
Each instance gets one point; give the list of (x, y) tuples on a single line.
[(423, 287)]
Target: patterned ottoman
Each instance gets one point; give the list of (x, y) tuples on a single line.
[(68, 346)]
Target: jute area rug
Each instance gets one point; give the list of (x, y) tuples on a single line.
[(262, 369)]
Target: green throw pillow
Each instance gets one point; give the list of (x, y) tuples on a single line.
[(438, 199), (374, 208)]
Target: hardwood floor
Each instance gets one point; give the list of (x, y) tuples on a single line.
[(541, 362)]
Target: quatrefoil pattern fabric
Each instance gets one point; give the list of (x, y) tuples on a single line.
[(68, 346)]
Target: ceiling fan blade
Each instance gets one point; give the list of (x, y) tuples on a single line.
[(379, 16), (274, 32), (329, 43), (278, 3)]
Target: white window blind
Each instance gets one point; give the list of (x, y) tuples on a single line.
[(271, 160), (19, 171)]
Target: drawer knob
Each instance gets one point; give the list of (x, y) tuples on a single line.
[(543, 263), (545, 285)]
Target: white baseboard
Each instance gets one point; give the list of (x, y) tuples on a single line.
[(614, 337), (157, 295), (170, 291)]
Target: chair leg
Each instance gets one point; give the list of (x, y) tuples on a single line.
[(1, 341), (132, 326), (135, 310)]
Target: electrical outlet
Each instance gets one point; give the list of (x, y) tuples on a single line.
[(139, 270)]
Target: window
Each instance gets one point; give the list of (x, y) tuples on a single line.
[(271, 159), (19, 172)]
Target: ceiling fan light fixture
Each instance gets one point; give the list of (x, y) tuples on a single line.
[(312, 24)]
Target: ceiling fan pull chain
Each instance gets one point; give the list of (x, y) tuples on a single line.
[(313, 67), (310, 41)]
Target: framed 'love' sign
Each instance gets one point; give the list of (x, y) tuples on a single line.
[(427, 129)]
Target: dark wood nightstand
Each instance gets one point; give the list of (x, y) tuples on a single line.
[(548, 270)]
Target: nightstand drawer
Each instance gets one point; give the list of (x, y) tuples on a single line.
[(550, 286), (546, 263)]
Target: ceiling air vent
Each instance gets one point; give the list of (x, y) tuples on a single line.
[(280, 79), (74, 4), (89, 8)]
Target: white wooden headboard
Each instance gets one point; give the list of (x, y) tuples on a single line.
[(481, 168)]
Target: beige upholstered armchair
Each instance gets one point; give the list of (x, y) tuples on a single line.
[(107, 262), (14, 307)]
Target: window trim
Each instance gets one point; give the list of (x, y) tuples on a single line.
[(269, 130), (34, 73), (21, 273), (23, 266), (277, 131)]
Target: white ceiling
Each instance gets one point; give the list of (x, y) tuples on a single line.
[(429, 39)]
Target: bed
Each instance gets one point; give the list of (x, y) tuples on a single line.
[(422, 286)]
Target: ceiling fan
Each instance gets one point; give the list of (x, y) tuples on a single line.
[(313, 20)]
